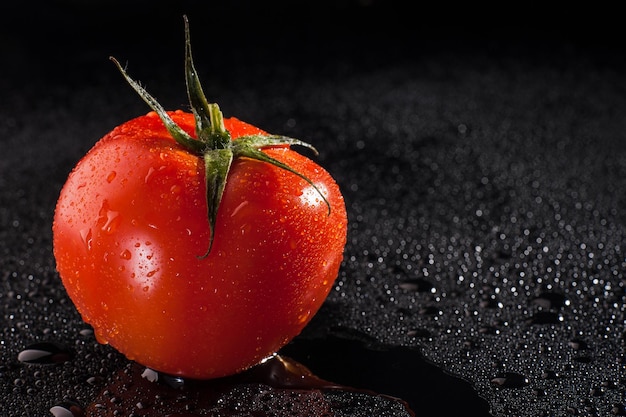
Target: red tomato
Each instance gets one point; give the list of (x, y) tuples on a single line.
[(130, 231)]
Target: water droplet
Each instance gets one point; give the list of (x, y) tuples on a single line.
[(86, 332), (111, 176), (488, 302), (509, 380), (108, 218), (420, 333), (109, 225), (545, 317), (488, 330), (618, 410), (126, 254), (150, 374), (550, 300), (45, 353), (239, 207), (429, 311), (549, 374), (67, 409), (148, 175), (86, 236), (101, 337), (175, 382), (94, 380), (416, 285), (577, 344)]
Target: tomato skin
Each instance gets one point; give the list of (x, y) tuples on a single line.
[(130, 231)]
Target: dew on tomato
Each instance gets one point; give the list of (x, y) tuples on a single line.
[(184, 266)]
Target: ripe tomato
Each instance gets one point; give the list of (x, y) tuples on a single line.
[(130, 228), (131, 233)]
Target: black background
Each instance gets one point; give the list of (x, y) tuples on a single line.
[(560, 70)]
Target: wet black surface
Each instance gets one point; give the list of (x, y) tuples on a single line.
[(483, 162)]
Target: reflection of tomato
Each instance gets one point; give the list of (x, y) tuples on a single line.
[(131, 229)]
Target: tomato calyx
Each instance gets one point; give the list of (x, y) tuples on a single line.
[(214, 143)]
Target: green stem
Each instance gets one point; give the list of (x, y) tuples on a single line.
[(214, 143), (210, 127), (182, 137), (217, 164)]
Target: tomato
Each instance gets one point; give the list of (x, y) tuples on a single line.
[(179, 280)]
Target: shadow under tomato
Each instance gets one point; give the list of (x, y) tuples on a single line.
[(398, 372)]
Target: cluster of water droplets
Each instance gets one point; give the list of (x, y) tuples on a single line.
[(504, 272)]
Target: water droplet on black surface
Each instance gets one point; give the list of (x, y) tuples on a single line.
[(67, 409), (45, 353), (544, 317), (550, 300), (509, 380), (416, 285), (578, 344), (419, 333), (488, 302), (618, 410), (490, 330), (429, 311), (549, 374)]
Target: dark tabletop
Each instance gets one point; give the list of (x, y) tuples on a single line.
[(482, 158)]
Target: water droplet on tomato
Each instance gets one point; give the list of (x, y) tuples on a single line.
[(86, 236), (126, 254), (304, 316), (239, 207), (108, 218), (311, 196), (148, 175), (111, 176), (111, 221)]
